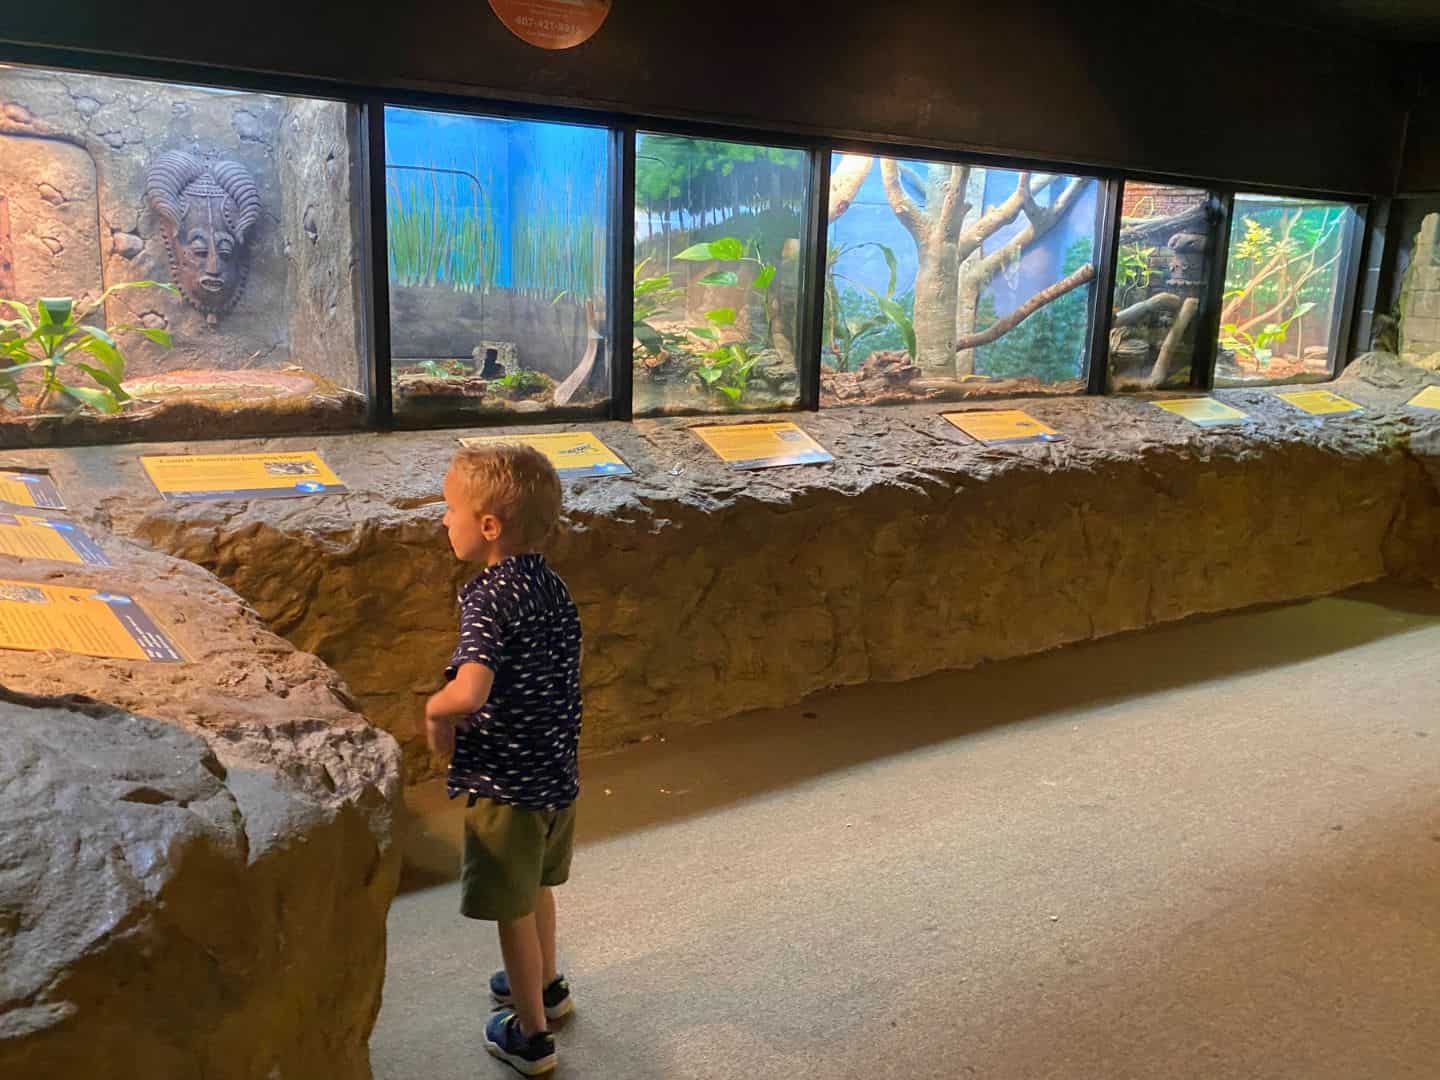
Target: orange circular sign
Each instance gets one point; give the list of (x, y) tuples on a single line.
[(552, 24)]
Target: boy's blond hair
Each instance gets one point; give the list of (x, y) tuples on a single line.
[(517, 484)]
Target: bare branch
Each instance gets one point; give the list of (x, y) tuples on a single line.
[(1045, 296), (1169, 350), (1165, 302), (845, 181), (1134, 230), (1045, 220), (903, 206)]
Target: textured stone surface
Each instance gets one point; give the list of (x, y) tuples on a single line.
[(199, 889), (54, 232), (320, 201), (706, 592)]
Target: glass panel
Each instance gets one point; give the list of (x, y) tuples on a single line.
[(954, 281), (1413, 327), (1282, 290), (1162, 266), (497, 234), (717, 274), (244, 205)]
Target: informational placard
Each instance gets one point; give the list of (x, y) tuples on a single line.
[(1203, 411), (552, 24), (996, 426), (1319, 402), (43, 538), (1429, 398), (573, 453), (86, 621), (762, 446), (181, 477), (31, 490)]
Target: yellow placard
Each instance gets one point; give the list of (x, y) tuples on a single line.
[(1203, 411), (20, 487), (1429, 398), (42, 538), (86, 621), (240, 476), (573, 453), (1002, 426), (762, 446), (1318, 402)]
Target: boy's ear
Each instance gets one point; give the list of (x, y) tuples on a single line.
[(490, 527)]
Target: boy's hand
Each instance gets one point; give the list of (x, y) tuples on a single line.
[(440, 734)]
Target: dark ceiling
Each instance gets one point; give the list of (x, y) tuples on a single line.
[(1412, 22)]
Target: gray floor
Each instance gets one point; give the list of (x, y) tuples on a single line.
[(1211, 850)]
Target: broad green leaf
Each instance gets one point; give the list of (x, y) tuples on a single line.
[(22, 311), (102, 346), (705, 332), (890, 260), (710, 374), (727, 248), (649, 285), (733, 393), (648, 337), (721, 277), (720, 356), (105, 379), (55, 311), (160, 337), (896, 314), (695, 253), (721, 316), (1229, 327), (1303, 309), (99, 400), (765, 277), (121, 287)]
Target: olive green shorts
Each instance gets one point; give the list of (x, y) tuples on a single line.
[(509, 853)]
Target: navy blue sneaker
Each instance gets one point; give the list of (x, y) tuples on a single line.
[(533, 1056), (556, 996)]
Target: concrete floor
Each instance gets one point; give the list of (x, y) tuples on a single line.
[(1211, 850)]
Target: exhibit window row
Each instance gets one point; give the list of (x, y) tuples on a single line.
[(217, 250)]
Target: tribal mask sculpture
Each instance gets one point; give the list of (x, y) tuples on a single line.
[(207, 209)]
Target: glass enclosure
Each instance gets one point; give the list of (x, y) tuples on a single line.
[(1284, 280), (718, 229), (954, 281), (1411, 328), (498, 235), (208, 239), (1168, 240)]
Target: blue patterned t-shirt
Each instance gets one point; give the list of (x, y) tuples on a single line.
[(517, 618)]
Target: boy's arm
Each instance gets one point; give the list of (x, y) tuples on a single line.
[(463, 695)]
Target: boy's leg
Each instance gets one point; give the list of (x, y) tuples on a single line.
[(524, 964), (545, 928)]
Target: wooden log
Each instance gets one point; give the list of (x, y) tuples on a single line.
[(1159, 304), (7, 253), (1003, 326), (581, 375), (1166, 360), (1157, 230)]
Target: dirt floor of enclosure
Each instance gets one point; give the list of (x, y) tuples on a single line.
[(1206, 850)]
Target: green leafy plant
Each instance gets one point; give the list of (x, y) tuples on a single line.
[(844, 334), (653, 296), (520, 381), (1133, 272), (50, 340), (1256, 349), (727, 368), (444, 369)]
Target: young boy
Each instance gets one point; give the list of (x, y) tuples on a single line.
[(509, 719)]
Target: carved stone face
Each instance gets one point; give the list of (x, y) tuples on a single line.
[(206, 209)]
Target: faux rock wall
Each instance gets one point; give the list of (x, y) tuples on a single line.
[(57, 129), (438, 323), (705, 592), (197, 859), (1420, 298)]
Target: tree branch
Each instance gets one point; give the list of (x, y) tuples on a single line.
[(846, 180), (1134, 230), (1166, 302), (1047, 218), (1003, 326), (903, 206)]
